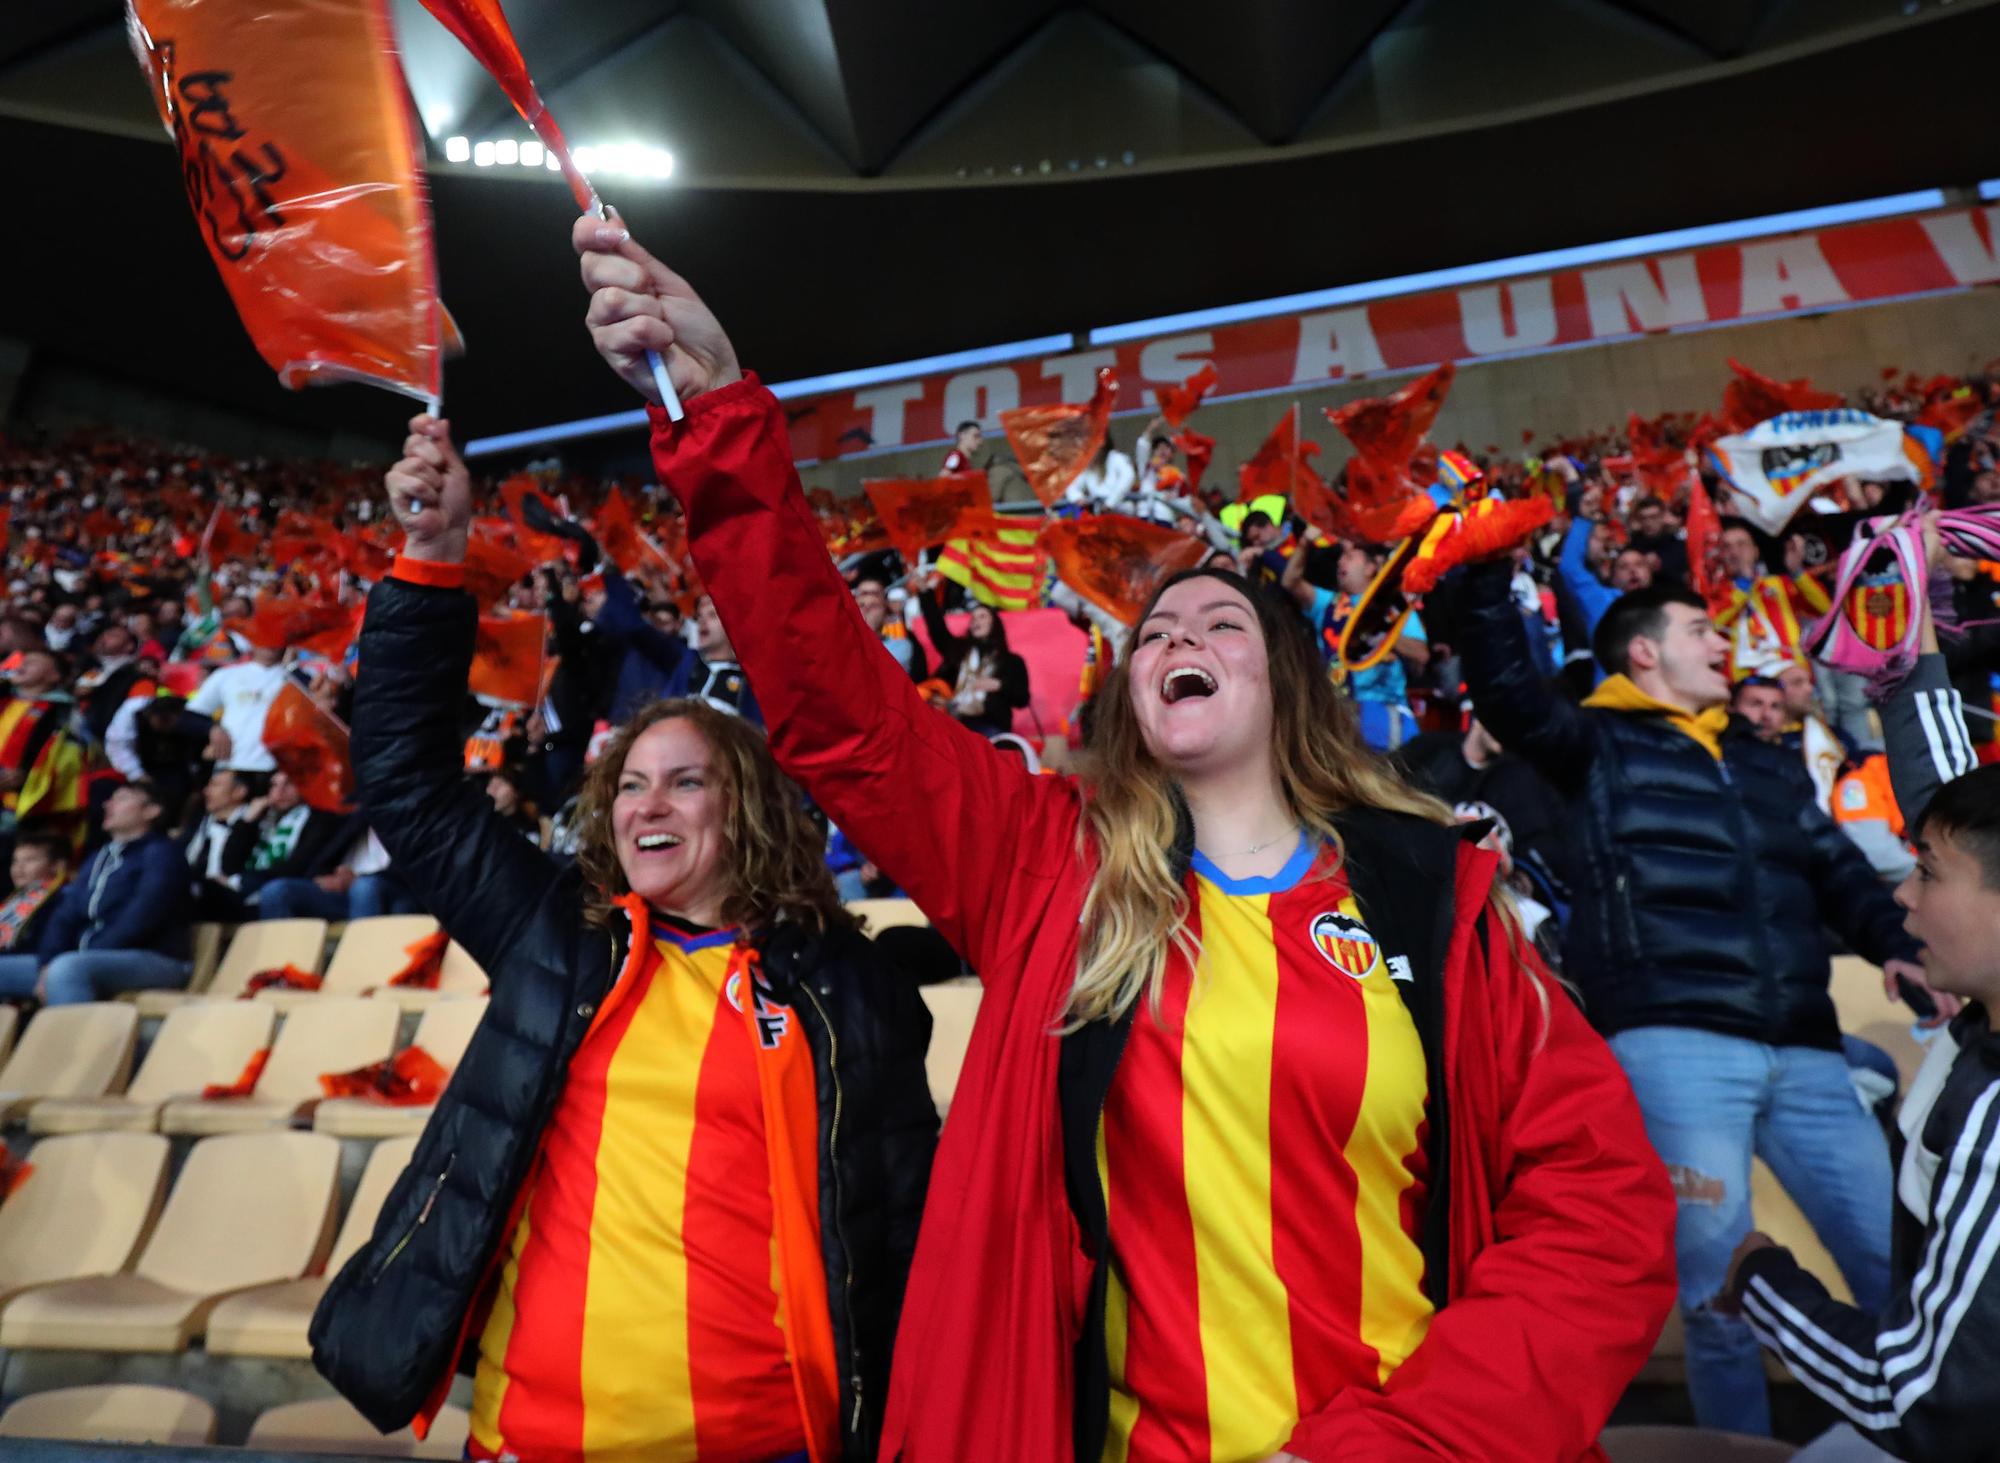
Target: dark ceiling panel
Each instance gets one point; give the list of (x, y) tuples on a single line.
[(792, 42), (28, 30), (1724, 28), (1280, 58), (816, 281)]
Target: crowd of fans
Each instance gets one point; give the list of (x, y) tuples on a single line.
[(1570, 697)]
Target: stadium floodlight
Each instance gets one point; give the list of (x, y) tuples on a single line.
[(659, 162), (507, 151), (531, 154), (482, 155), (457, 150), (585, 158)]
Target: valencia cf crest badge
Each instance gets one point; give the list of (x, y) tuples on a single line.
[(1346, 944)]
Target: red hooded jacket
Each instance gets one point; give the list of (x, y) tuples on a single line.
[(1561, 1217)]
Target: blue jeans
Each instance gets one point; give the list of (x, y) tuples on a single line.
[(90, 975), (367, 896), (1711, 1102)]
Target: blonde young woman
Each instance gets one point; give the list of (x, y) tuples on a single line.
[(1270, 1142), (665, 1207)]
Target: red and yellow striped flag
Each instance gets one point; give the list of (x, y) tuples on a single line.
[(1003, 569)]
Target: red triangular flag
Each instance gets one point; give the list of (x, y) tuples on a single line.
[(507, 658), (1279, 465), (1056, 443), (1114, 561), (225, 538), (492, 569), (543, 548), (1387, 433), (310, 743), (1177, 403), (1199, 451), (1753, 397), (618, 535), (921, 513)]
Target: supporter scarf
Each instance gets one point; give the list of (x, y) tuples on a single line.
[(278, 840), (1619, 693), (1773, 470)]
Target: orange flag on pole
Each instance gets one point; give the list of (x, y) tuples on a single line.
[(1056, 443), (543, 548), (1754, 397), (492, 568), (311, 745), (284, 622), (618, 535), (1387, 430), (1114, 561), (1279, 464), (302, 164), (507, 658), (1177, 403), (921, 513), (226, 538), (1199, 451)]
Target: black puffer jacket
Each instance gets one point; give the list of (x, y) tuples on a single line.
[(1702, 889), (390, 1331)]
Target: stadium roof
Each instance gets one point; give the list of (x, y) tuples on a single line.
[(864, 181)]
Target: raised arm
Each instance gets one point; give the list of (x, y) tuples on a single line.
[(1508, 692), (976, 841), (472, 870)]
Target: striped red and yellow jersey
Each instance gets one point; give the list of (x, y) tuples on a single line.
[(1262, 1154), (638, 1309)]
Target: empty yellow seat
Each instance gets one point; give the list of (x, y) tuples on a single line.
[(886, 914), (82, 1210), (249, 1209), (459, 975), (329, 1035), (120, 1413), (371, 952), (272, 1319), (256, 947), (198, 1043), (443, 1031), (330, 1425), (954, 1007), (1867, 1012), (10, 1020), (69, 1051)]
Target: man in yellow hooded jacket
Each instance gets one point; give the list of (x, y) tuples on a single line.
[(1705, 877)]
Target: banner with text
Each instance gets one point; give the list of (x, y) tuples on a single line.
[(1881, 259)]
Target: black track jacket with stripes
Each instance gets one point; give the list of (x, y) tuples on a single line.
[(1922, 1380)]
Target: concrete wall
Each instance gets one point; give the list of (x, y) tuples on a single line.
[(1566, 393)]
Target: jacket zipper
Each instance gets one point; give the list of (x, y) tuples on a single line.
[(839, 1208), (423, 1216)]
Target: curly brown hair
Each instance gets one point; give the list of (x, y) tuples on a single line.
[(777, 867)]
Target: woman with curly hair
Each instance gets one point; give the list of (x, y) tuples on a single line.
[(671, 1193), (1271, 1141)]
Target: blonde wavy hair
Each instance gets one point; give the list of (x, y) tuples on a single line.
[(776, 852), (1136, 912)]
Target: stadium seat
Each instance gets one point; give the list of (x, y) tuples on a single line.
[(272, 1319), (444, 1030), (884, 914), (69, 1051), (1866, 1012), (119, 1413), (458, 976), (249, 1209), (199, 1043), (260, 946), (954, 1006), (1689, 1445), (329, 1035), (330, 1425), (10, 1020), (370, 953), (82, 1209)]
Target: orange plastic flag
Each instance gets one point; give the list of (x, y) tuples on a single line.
[(311, 745), (1752, 398), (368, 558), (297, 534), (226, 538), (1199, 451), (411, 1078), (492, 568), (921, 513), (507, 658), (1704, 546), (481, 27), (426, 963), (1056, 443), (543, 548), (1114, 561), (246, 1080), (1387, 432), (618, 535), (301, 161), (284, 622), (1177, 403), (1280, 464), (284, 977)]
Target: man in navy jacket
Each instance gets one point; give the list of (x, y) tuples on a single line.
[(122, 924)]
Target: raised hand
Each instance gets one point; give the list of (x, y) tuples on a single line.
[(637, 304), (430, 493)]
